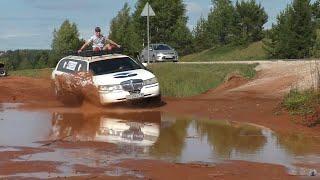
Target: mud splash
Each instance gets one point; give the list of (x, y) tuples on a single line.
[(73, 140), (72, 89)]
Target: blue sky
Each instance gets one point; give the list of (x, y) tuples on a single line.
[(28, 24)]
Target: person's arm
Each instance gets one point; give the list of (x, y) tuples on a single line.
[(112, 42), (85, 45)]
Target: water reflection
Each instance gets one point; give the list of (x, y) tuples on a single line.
[(157, 135), (161, 136), (139, 129), (227, 138)]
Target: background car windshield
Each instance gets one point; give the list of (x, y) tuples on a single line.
[(113, 65), (162, 47)]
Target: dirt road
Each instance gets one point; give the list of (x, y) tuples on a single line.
[(178, 146)]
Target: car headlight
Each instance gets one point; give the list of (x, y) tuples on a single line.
[(150, 81), (110, 88)]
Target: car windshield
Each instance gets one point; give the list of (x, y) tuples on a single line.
[(161, 47), (1, 65), (113, 66)]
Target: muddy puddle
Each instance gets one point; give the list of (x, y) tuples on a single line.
[(147, 135)]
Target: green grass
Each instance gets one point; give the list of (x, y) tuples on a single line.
[(302, 103), (253, 51), (182, 80), (34, 73), (305, 105)]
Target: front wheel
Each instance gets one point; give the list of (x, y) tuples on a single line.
[(155, 100)]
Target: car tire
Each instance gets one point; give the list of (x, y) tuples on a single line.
[(155, 100)]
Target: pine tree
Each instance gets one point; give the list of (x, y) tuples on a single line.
[(293, 35), (316, 18), (250, 18), (168, 26), (65, 39), (221, 22), (200, 33), (123, 32)]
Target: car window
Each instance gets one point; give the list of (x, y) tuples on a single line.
[(162, 47), (1, 65), (113, 65), (72, 66)]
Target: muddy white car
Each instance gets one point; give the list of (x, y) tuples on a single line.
[(116, 77)]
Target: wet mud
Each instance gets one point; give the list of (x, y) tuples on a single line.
[(221, 134)]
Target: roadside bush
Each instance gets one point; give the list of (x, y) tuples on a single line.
[(305, 104)]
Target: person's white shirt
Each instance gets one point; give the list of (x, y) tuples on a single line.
[(98, 41)]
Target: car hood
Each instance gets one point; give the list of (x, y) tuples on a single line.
[(117, 78)]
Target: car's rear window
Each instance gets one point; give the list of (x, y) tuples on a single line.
[(162, 47), (113, 66)]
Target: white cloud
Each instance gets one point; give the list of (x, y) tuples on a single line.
[(193, 7), (18, 35)]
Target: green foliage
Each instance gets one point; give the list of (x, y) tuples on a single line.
[(168, 26), (316, 12), (293, 35), (250, 18), (65, 39), (316, 47), (253, 51), (302, 103), (123, 32), (25, 59), (200, 33), (181, 80), (305, 104), (229, 24), (221, 22)]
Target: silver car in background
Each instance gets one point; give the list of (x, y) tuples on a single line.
[(159, 53)]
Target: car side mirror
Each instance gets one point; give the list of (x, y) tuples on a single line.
[(145, 64)]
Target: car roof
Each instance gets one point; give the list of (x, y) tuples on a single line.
[(96, 58), (160, 44)]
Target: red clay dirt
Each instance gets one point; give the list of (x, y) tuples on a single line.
[(230, 102)]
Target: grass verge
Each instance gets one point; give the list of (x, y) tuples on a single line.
[(304, 104), (253, 51), (182, 80)]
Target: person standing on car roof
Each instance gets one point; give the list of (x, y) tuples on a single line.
[(99, 42)]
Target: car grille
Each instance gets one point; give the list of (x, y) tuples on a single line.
[(133, 85)]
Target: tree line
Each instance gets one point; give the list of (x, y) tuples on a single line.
[(296, 33)]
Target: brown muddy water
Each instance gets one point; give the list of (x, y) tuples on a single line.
[(147, 135)]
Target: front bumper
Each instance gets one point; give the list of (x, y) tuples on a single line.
[(120, 96), (167, 58)]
